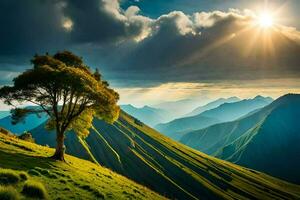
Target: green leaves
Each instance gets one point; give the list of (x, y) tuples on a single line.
[(67, 90), (18, 115)]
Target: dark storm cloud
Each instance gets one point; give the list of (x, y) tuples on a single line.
[(213, 46), (29, 26), (38, 25), (103, 21), (132, 49)]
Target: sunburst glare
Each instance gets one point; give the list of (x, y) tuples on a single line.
[(265, 20)]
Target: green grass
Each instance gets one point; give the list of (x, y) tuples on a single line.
[(220, 178), (9, 177), (34, 189), (76, 179), (168, 167), (9, 193), (23, 176)]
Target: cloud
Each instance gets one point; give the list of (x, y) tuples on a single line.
[(103, 21), (201, 93), (28, 27), (135, 50), (211, 46)]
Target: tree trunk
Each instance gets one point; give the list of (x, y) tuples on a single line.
[(60, 147)]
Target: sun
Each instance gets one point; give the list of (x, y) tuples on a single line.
[(265, 20)]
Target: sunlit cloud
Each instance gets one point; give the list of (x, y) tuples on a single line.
[(67, 24), (168, 57), (205, 92)]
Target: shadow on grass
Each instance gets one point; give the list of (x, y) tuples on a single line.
[(19, 161)]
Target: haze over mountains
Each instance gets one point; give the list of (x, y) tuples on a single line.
[(167, 111), (222, 113), (178, 108), (29, 123), (148, 115), (212, 105), (4, 114), (266, 140)]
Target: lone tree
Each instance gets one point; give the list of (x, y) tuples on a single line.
[(67, 90)]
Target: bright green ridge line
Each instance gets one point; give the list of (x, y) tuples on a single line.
[(87, 148), (247, 137), (195, 175), (135, 145), (126, 135), (162, 174), (246, 177), (108, 145), (148, 144), (159, 152)]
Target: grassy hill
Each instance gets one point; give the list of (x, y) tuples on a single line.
[(177, 128), (276, 136), (76, 179), (256, 139), (135, 150)]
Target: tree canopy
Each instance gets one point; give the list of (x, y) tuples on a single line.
[(66, 89)]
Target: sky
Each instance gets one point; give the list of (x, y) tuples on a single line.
[(162, 50)]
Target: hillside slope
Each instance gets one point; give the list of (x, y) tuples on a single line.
[(169, 168), (176, 128), (211, 139), (256, 139), (76, 179), (223, 113), (277, 136)]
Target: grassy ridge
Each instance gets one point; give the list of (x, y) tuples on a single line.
[(275, 136), (266, 140), (172, 169), (77, 179)]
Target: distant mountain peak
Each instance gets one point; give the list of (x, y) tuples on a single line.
[(260, 97), (234, 98), (147, 107), (127, 105), (257, 138)]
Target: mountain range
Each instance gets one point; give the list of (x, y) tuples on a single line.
[(212, 105), (266, 140), (4, 114), (30, 122), (223, 113), (142, 154), (148, 115), (178, 108)]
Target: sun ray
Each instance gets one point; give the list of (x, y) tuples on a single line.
[(265, 20)]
